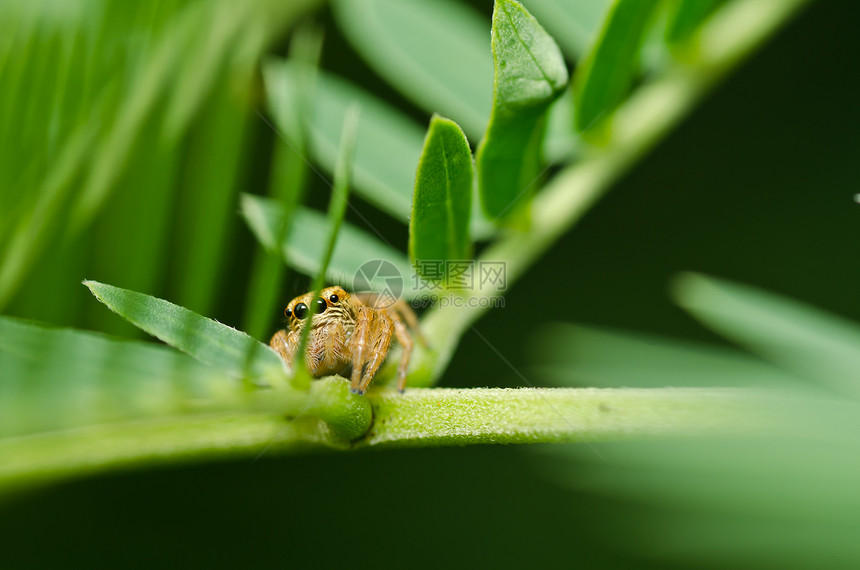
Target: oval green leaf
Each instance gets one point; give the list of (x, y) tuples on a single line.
[(529, 74), (433, 52), (442, 201), (387, 145)]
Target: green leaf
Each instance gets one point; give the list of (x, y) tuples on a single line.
[(822, 348), (608, 72), (591, 356), (82, 85), (529, 74), (441, 203), (642, 123), (211, 342), (304, 246), (685, 17), (561, 144), (433, 52), (387, 146), (62, 378), (574, 25)]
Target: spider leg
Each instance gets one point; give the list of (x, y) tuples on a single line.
[(381, 329), (403, 311), (399, 310), (405, 341), (360, 344), (285, 344)]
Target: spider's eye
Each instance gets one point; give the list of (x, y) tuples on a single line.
[(320, 306), (288, 313), (334, 298), (300, 310)]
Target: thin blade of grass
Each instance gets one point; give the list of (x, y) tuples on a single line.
[(336, 212), (287, 184)]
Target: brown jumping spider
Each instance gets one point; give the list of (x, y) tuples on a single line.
[(347, 330)]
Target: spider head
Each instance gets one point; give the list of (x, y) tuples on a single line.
[(332, 305)]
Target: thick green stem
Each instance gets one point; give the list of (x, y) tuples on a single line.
[(439, 416), (329, 417)]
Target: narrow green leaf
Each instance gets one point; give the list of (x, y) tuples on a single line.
[(81, 83), (529, 74), (822, 348), (685, 17), (590, 356), (433, 52), (441, 203), (304, 246), (608, 72), (62, 378), (387, 146), (208, 341)]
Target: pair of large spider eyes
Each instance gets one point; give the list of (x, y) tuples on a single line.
[(301, 310)]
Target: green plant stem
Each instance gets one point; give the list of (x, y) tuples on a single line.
[(287, 421), (646, 118), (423, 417)]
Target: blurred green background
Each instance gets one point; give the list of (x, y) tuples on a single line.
[(757, 185)]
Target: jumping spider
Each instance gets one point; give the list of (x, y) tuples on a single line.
[(347, 330)]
